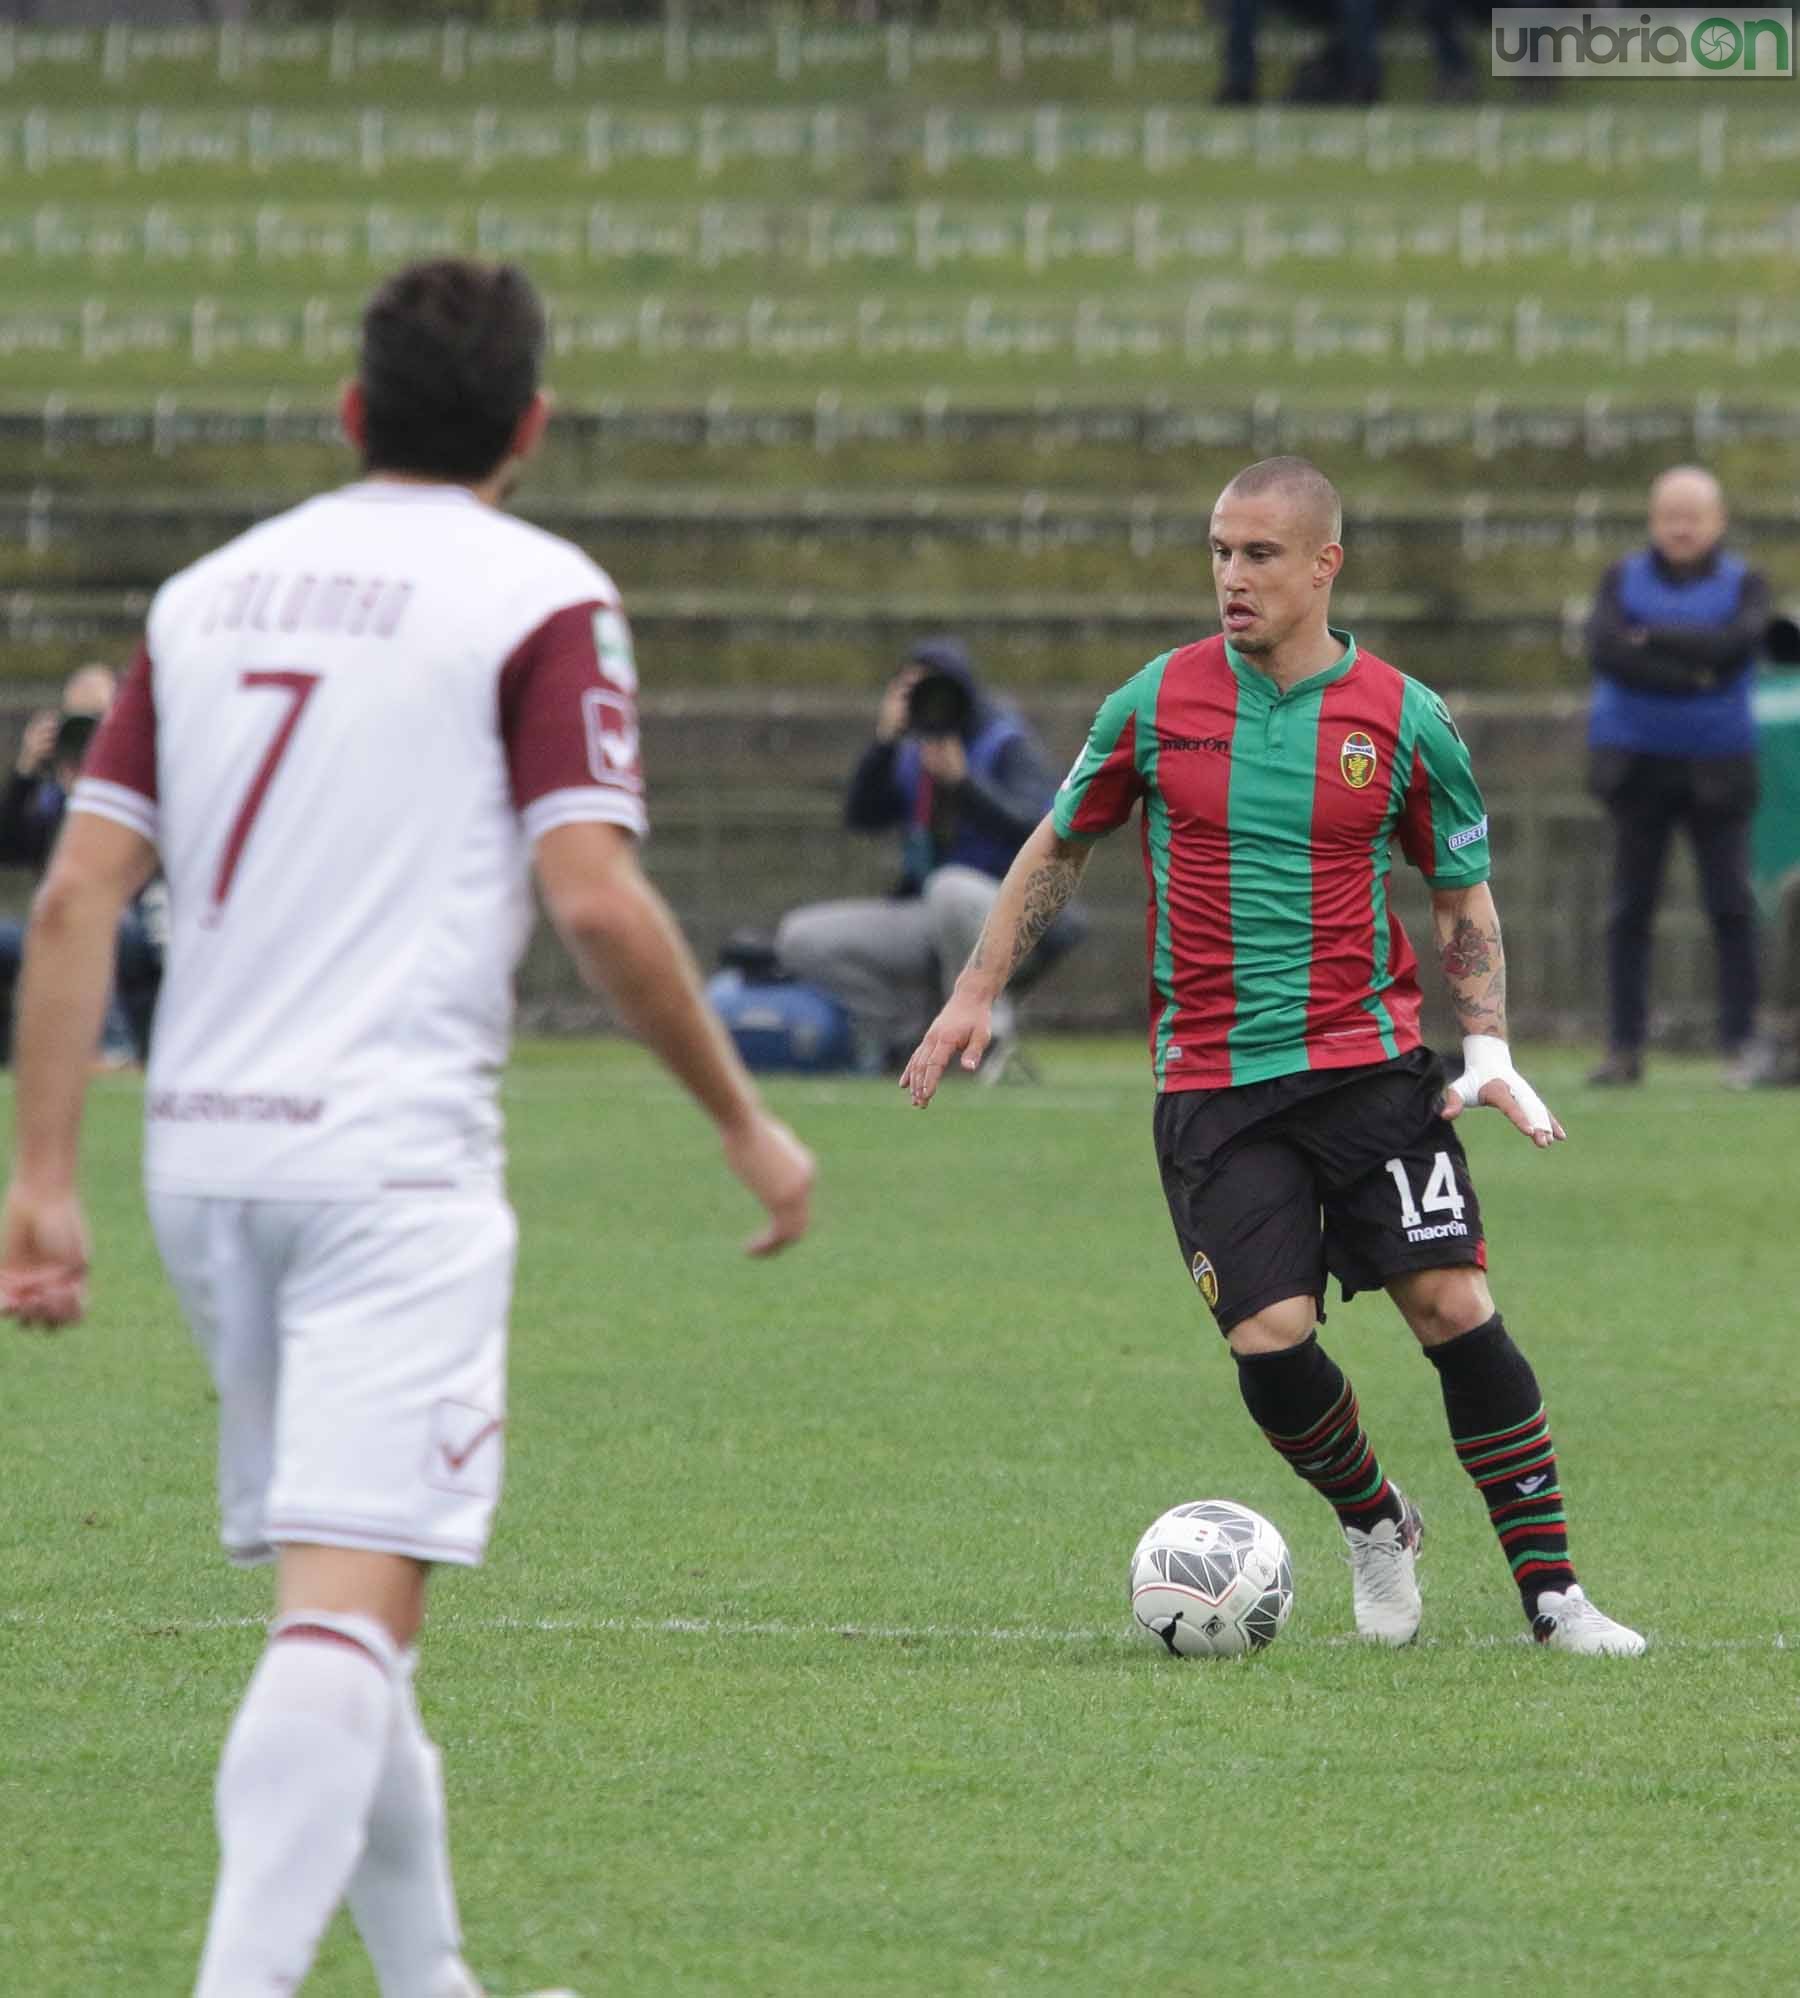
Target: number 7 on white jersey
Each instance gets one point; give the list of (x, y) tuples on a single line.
[(298, 687)]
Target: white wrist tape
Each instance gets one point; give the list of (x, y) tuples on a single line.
[(1487, 1058)]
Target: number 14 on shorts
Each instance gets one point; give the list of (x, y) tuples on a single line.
[(1439, 1196)]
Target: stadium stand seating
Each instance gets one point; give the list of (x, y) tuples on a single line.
[(864, 331)]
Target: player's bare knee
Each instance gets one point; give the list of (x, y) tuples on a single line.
[(1275, 1328), (390, 1588), (1441, 1305)]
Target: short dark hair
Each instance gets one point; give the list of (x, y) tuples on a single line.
[(451, 351)]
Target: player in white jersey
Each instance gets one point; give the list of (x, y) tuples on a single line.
[(350, 737)]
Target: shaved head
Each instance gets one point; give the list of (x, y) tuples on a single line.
[(1298, 483), (1688, 482), (1687, 514)]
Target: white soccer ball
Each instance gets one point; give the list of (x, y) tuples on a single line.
[(1210, 1579)]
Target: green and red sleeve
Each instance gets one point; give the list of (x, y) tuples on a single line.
[(1105, 784), (1443, 824)]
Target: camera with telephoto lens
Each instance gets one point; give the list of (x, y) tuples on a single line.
[(73, 734), (939, 704)]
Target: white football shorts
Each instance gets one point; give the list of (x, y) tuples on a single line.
[(359, 1350)]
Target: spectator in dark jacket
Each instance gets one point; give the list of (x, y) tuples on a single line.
[(1673, 638), (32, 802), (961, 778)]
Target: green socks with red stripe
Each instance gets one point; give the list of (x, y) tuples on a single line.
[(1307, 1409), (1502, 1438)]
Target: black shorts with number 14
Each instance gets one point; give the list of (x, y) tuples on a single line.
[(1351, 1173)]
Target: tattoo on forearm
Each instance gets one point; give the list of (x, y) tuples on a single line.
[(1047, 891), (1475, 970)]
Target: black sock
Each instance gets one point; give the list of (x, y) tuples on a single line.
[(1305, 1407), (1502, 1438)]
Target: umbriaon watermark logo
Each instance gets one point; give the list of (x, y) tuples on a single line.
[(1640, 41)]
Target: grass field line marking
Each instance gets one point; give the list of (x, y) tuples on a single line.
[(778, 1627)]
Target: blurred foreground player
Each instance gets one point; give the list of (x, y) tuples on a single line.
[(350, 736), (1301, 1127)]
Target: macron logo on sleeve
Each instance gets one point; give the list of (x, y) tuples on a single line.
[(1469, 836)]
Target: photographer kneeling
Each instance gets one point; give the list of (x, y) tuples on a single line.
[(965, 780)]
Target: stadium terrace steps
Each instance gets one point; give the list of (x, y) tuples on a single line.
[(798, 639), (808, 266), (207, 218), (1051, 449), (1529, 558)]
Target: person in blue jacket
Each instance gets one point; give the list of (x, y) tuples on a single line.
[(1673, 639), (959, 775)]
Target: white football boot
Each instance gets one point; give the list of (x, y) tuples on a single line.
[(1567, 1621), (1383, 1587)]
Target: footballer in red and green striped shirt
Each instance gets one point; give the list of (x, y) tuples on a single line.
[(1267, 821), (1301, 1128)]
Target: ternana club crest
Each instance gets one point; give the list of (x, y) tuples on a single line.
[(1357, 760)]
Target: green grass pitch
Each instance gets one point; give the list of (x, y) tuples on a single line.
[(801, 1662)]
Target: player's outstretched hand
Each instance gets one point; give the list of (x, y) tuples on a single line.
[(964, 1027), (1489, 1078), (780, 1171), (43, 1260)]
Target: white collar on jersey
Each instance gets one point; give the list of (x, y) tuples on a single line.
[(419, 492)]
